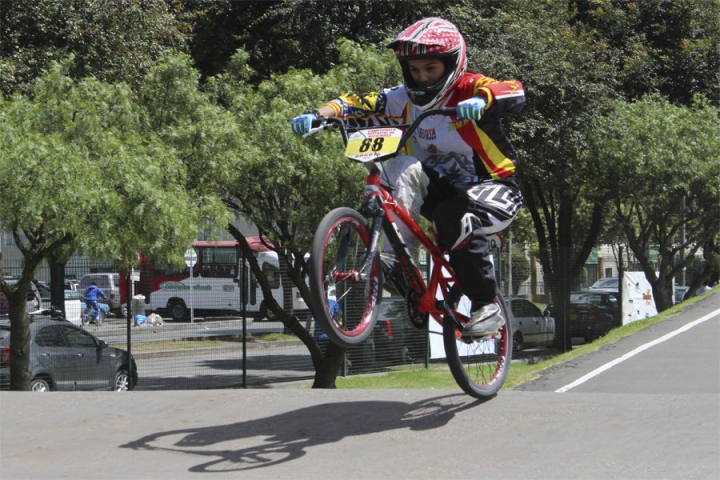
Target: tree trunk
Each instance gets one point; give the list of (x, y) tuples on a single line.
[(57, 283), (20, 372), (327, 371)]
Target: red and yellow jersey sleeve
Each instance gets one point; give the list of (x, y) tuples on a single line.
[(486, 136), (350, 105)]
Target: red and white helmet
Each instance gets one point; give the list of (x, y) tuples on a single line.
[(431, 37)]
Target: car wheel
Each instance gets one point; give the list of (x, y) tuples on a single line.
[(517, 342), (39, 385), (121, 381), (178, 310)]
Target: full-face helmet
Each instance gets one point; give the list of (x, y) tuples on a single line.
[(431, 37)]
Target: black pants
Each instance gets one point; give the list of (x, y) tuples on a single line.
[(463, 220)]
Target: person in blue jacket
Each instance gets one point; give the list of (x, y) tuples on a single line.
[(91, 298)]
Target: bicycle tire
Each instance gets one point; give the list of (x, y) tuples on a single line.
[(338, 252), (480, 367)]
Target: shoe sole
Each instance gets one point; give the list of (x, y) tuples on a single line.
[(484, 333)]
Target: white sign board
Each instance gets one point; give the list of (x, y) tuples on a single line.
[(637, 298)]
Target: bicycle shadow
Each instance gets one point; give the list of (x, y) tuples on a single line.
[(285, 437)]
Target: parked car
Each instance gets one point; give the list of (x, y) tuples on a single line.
[(394, 340), (608, 283), (592, 313), (74, 305), (66, 357), (34, 301), (71, 284), (110, 285), (530, 326)]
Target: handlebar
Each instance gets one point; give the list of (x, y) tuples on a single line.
[(325, 123)]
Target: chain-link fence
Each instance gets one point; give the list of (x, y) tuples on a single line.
[(196, 343), (201, 350)]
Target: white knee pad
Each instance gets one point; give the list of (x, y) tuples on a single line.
[(410, 184)]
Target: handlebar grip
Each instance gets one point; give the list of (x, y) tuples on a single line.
[(447, 111)]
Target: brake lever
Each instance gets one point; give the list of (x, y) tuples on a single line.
[(313, 131)]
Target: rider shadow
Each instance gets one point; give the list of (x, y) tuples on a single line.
[(267, 441)]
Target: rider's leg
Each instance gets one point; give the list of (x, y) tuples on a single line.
[(463, 223), (410, 185), (96, 310)]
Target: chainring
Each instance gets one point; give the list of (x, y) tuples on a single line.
[(416, 319)]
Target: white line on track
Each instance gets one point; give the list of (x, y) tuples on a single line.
[(631, 354)]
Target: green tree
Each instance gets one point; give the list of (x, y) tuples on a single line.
[(112, 40), (80, 170), (670, 47), (301, 34), (567, 78), (657, 157)]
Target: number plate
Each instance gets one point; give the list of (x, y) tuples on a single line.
[(373, 144)]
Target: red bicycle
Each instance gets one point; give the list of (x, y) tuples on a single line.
[(347, 267)]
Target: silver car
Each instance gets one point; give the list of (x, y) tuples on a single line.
[(531, 328)]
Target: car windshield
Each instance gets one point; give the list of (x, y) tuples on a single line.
[(585, 298), (44, 292), (605, 283)]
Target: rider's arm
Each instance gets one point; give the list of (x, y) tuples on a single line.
[(356, 106), (500, 96)]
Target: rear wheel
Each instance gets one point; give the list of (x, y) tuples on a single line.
[(343, 280), (481, 365), (122, 380), (178, 310)]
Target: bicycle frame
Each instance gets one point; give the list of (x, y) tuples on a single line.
[(379, 204), (441, 276)]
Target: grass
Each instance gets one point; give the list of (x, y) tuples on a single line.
[(433, 378), (439, 378)]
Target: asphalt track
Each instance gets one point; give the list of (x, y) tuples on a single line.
[(655, 414)]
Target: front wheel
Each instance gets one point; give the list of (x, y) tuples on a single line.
[(346, 287), (39, 385), (479, 366)]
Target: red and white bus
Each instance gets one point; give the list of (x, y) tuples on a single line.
[(214, 288)]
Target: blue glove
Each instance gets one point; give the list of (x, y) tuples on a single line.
[(471, 109), (302, 124)]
